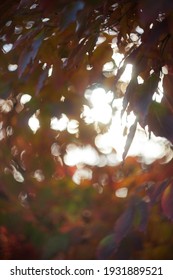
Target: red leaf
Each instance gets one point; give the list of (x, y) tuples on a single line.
[(167, 202)]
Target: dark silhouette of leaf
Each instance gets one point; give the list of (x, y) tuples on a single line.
[(107, 247), (160, 120), (41, 80), (143, 97), (130, 91), (130, 137)]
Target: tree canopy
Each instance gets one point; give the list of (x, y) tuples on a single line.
[(61, 69)]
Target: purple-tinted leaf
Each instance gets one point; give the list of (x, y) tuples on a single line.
[(24, 60), (141, 215), (69, 13), (28, 55), (156, 190), (167, 202), (124, 224), (41, 80), (107, 247), (26, 37), (130, 137)]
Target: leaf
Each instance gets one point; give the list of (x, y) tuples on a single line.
[(107, 247), (160, 120), (156, 190), (124, 224), (167, 202), (141, 215), (130, 90), (130, 139), (41, 80), (69, 13), (143, 97), (26, 37), (168, 86), (29, 55)]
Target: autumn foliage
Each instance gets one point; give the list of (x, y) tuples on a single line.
[(52, 52)]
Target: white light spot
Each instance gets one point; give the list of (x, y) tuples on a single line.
[(81, 155), (39, 176), (73, 126), (29, 24), (34, 123), (8, 23), (55, 150), (165, 70), (134, 37), (89, 67), (7, 48), (50, 71), (25, 98), (81, 175), (102, 142), (9, 130), (121, 193), (118, 58), (59, 124), (139, 30), (2, 134), (140, 80), (33, 6), (12, 67), (100, 40), (45, 19), (18, 29), (6, 105), (101, 111), (151, 26), (108, 66), (17, 175), (126, 76)]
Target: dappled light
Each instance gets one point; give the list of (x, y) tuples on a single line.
[(86, 129)]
